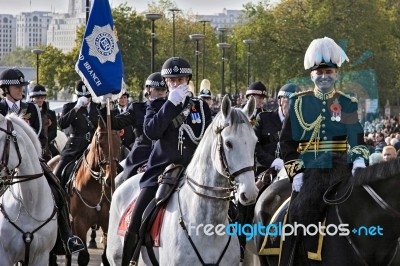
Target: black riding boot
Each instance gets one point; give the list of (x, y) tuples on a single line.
[(132, 235), (72, 243), (58, 171)]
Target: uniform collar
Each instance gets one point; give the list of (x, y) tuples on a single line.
[(324, 96)]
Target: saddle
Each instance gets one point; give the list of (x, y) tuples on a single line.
[(274, 243), (149, 233), (68, 173)]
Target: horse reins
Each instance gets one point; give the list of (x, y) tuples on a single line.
[(375, 196), (231, 179), (227, 174)]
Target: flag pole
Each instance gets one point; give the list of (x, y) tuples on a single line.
[(110, 147)]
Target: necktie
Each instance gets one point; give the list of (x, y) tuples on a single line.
[(121, 111), (15, 108)]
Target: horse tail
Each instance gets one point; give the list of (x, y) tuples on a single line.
[(28, 130)]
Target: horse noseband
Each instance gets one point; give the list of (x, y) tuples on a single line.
[(222, 156)]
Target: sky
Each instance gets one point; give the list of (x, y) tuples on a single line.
[(202, 7)]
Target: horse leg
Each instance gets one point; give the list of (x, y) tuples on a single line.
[(92, 242), (80, 229), (68, 260), (52, 259)]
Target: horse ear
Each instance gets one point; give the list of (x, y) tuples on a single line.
[(248, 109), (226, 106)]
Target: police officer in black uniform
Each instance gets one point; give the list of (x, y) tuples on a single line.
[(128, 136), (49, 122), (155, 87), (177, 128), (82, 118), (268, 127), (321, 128), (12, 82), (259, 91)]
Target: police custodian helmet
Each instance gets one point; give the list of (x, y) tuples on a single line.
[(81, 90), (38, 90), (155, 80), (176, 67)]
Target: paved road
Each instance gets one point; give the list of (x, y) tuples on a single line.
[(95, 254)]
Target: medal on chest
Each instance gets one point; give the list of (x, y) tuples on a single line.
[(336, 110)]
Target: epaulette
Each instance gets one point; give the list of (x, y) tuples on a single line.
[(301, 93), (353, 99)]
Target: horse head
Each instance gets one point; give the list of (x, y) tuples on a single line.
[(236, 143), (106, 148)]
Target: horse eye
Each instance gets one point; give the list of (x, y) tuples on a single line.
[(228, 144)]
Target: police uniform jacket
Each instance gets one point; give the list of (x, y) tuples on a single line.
[(128, 137), (29, 109), (141, 149), (267, 128), (326, 123), (82, 124), (163, 126)]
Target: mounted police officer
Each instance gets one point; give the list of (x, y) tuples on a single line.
[(268, 128), (176, 124), (49, 122), (82, 118), (321, 128), (259, 91), (12, 82), (155, 88), (128, 136)]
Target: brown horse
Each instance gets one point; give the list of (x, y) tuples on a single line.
[(92, 186)]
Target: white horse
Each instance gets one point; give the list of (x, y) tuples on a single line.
[(222, 162), (27, 205)]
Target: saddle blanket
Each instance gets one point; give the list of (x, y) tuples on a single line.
[(155, 228), (273, 241)]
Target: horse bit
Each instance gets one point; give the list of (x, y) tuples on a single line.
[(232, 188), (6, 180)]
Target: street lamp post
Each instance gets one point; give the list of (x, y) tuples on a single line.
[(197, 38), (204, 21), (223, 46), (222, 36), (37, 52), (173, 10), (248, 42), (153, 17)]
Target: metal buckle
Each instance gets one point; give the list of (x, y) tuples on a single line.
[(87, 136)]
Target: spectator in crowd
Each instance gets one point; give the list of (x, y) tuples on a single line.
[(375, 158), (389, 153), (379, 141)]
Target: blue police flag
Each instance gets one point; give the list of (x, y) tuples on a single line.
[(100, 62)]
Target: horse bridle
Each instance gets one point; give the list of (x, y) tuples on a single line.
[(375, 196), (7, 175), (226, 172)]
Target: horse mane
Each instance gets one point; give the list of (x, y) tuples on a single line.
[(28, 130), (377, 172), (202, 153)]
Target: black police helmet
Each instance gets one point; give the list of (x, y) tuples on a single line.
[(38, 90), (81, 90), (176, 67), (155, 80), (12, 76), (256, 88), (287, 90)]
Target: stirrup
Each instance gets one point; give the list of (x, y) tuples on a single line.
[(75, 244)]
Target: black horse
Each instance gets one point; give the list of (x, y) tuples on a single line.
[(369, 202)]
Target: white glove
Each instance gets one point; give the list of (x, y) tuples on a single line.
[(297, 182), (103, 98), (358, 163), (179, 94), (82, 101), (277, 164)]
